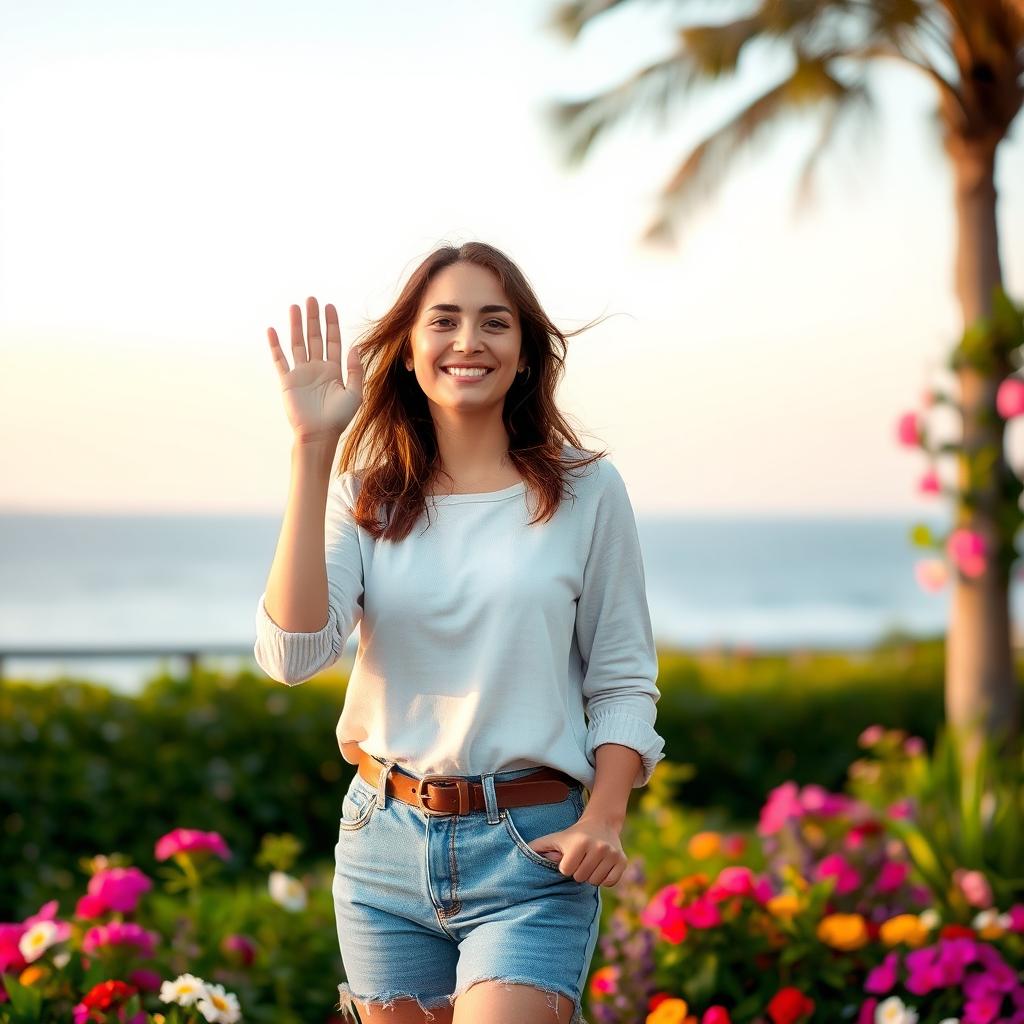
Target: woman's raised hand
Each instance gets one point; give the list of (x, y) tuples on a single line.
[(318, 404)]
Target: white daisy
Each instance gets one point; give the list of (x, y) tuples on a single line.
[(218, 1006), (894, 1011), (287, 891), (930, 918), (184, 990), (37, 940)]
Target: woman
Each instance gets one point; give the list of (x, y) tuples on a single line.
[(512, 656)]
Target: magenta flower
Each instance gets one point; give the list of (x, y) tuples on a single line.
[(90, 907), (120, 933), (119, 888), (1010, 398), (882, 979), (867, 1012), (893, 874), (816, 799), (1016, 913), (901, 808), (907, 430), (836, 865), (146, 980), (11, 958), (967, 549), (187, 840)]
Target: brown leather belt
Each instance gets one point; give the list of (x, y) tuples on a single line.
[(455, 794)]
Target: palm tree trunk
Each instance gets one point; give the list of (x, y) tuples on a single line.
[(981, 689)]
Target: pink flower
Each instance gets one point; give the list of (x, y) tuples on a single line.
[(975, 887), (893, 874), (119, 888), (783, 803), (187, 840), (835, 865), (702, 913), (816, 799), (738, 880), (664, 913), (871, 735), (882, 978), (734, 845), (1010, 398), (907, 430), (929, 483), (240, 945), (967, 549), (931, 574), (913, 746), (120, 933), (903, 808)]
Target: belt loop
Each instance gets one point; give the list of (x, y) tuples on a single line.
[(490, 798), (382, 782)]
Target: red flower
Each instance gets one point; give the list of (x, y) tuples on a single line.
[(956, 931), (789, 1005), (107, 994)]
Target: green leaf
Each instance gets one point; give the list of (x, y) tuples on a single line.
[(26, 1002)]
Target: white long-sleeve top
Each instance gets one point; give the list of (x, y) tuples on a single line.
[(486, 644)]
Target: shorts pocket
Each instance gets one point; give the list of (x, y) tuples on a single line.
[(357, 805), (525, 824)]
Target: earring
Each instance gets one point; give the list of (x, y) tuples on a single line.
[(527, 377)]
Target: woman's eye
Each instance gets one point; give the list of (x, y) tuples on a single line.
[(445, 319)]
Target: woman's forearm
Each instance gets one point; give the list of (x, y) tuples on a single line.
[(296, 590)]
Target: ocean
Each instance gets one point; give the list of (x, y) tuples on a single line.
[(88, 581)]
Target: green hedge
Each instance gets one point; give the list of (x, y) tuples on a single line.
[(87, 771)]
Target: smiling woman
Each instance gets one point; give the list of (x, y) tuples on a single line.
[(498, 652)]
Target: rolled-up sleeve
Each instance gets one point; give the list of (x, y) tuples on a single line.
[(293, 657), (615, 637)]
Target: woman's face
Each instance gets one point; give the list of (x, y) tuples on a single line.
[(477, 326)]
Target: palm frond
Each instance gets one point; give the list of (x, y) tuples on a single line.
[(704, 170)]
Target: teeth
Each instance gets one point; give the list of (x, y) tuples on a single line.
[(462, 371)]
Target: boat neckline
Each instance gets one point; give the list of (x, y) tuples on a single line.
[(505, 492)]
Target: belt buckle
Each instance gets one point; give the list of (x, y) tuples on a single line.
[(440, 780)]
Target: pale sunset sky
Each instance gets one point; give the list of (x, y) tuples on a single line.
[(173, 177)]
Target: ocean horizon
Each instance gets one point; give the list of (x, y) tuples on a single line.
[(767, 583)]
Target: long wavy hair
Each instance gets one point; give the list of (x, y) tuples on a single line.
[(392, 436)]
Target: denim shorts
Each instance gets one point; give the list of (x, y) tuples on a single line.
[(427, 905)]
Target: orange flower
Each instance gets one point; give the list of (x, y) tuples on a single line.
[(32, 974), (843, 931), (785, 905), (903, 928), (605, 980), (669, 1011), (703, 845)]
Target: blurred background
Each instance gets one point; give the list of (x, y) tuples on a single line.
[(174, 177)]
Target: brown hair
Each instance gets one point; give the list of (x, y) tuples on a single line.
[(393, 424)]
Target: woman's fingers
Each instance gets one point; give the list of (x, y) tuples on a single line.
[(280, 363), (316, 341), (333, 335), (298, 342)]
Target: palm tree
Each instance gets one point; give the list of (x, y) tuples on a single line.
[(972, 51)]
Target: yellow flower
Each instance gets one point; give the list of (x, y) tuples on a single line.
[(903, 928), (843, 931), (703, 845), (784, 905), (668, 1011), (31, 974)]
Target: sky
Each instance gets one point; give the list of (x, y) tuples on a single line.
[(174, 177)]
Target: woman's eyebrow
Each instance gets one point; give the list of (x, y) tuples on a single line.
[(450, 307)]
